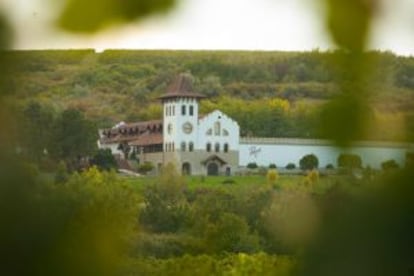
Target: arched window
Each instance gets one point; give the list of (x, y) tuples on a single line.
[(183, 146), (209, 132), (208, 147), (191, 146), (217, 128), (183, 109), (217, 147), (173, 146), (226, 147), (191, 111), (225, 132)]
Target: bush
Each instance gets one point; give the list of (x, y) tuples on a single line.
[(252, 165), (290, 166), (145, 167), (389, 165), (349, 161), (272, 166), (309, 162), (272, 176), (329, 167)]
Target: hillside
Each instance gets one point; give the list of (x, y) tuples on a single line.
[(268, 93)]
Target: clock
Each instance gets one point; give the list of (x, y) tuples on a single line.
[(187, 128)]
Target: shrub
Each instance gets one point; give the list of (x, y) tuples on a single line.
[(349, 161), (290, 166), (272, 166), (252, 165), (389, 165), (309, 162), (329, 167), (145, 167), (272, 176)]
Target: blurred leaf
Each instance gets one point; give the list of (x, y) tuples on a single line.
[(94, 15), (349, 21)]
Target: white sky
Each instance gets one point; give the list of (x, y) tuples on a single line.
[(214, 24)]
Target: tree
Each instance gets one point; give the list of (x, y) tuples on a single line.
[(104, 160), (389, 165), (74, 137), (309, 162), (349, 161), (34, 130)]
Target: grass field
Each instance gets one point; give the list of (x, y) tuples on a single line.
[(284, 182)]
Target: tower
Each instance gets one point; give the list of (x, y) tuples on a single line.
[(180, 118)]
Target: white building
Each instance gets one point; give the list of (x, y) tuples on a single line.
[(197, 145), (211, 144)]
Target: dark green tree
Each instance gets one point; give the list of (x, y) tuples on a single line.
[(35, 130), (104, 160), (349, 161), (309, 162), (74, 138)]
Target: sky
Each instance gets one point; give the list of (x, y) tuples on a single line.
[(288, 25)]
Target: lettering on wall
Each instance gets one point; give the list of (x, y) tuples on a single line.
[(254, 151)]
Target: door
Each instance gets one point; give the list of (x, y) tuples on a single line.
[(212, 168)]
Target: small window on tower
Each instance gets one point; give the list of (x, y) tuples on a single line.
[(191, 110), (209, 132), (191, 146), (208, 147), (183, 110), (183, 146)]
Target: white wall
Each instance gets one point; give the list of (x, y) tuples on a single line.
[(226, 123), (281, 155)]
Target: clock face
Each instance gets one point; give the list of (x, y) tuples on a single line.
[(169, 128), (187, 127)]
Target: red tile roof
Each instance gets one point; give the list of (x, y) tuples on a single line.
[(148, 139), (182, 86)]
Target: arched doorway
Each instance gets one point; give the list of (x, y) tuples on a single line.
[(212, 168), (186, 168)]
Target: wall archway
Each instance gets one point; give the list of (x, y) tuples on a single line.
[(212, 168), (186, 168)]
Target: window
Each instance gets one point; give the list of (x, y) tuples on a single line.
[(209, 132), (173, 110), (226, 147), (217, 128), (191, 110), (166, 111), (208, 147), (217, 147), (173, 146), (225, 132), (183, 146), (183, 110), (191, 146)]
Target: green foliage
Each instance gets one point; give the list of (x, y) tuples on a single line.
[(74, 137), (272, 176), (290, 166), (272, 166), (92, 16), (104, 160), (62, 174), (308, 162), (252, 165), (166, 208), (145, 167), (79, 227), (389, 165), (205, 265), (349, 161)]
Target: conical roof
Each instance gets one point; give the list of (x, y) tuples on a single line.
[(182, 86)]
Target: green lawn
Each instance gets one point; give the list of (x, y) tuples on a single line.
[(285, 182)]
